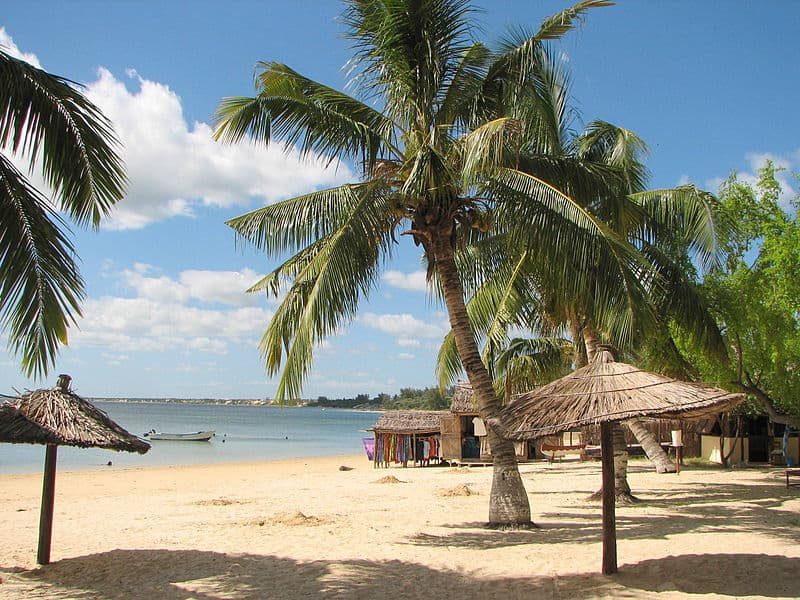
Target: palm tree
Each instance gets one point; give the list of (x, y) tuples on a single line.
[(46, 119), (661, 224), (438, 166)]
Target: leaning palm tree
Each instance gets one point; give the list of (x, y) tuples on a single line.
[(437, 160), (661, 224), (46, 119)]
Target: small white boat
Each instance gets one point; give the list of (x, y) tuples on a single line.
[(198, 436)]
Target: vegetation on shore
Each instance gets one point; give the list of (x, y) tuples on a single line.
[(429, 398)]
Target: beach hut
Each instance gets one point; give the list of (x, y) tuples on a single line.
[(58, 417), (603, 393), (464, 438), (403, 436)]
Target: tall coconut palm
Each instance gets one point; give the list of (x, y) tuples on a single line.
[(46, 119), (437, 160), (518, 295)]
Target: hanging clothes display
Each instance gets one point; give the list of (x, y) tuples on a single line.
[(404, 447)]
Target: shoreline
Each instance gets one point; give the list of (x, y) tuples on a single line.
[(354, 457), (299, 528)]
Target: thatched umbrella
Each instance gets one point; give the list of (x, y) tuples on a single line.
[(58, 417), (601, 393)]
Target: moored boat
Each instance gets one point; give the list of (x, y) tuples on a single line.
[(198, 436)]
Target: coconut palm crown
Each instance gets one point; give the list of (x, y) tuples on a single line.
[(46, 119), (438, 165)]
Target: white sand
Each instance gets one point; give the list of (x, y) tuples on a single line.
[(304, 529)]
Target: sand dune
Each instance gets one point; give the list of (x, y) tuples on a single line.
[(305, 529)]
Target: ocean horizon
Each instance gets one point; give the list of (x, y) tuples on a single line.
[(243, 432)]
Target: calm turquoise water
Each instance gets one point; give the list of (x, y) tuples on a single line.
[(244, 433)]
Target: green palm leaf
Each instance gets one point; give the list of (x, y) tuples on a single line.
[(307, 115), (44, 117), (40, 287)]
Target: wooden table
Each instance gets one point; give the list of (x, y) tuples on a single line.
[(794, 473)]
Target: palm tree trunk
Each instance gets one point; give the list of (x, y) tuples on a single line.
[(651, 446), (622, 490), (508, 502)]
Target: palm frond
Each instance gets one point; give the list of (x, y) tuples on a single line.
[(520, 55), (292, 224), (580, 257), (618, 147), (485, 147), (448, 362), (40, 287), (691, 214), (408, 52), (46, 118), (679, 299), (459, 103), (307, 115), (529, 362), (555, 26), (328, 279)]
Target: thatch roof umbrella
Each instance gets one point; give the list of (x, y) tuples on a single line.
[(59, 417), (601, 393)]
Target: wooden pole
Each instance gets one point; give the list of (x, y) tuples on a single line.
[(48, 500), (609, 509)]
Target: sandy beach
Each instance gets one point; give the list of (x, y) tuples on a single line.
[(306, 529)]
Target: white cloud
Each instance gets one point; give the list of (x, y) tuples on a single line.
[(8, 45), (214, 287), (164, 314), (403, 325), (407, 281), (173, 167), (405, 356), (408, 342), (223, 287), (756, 161)]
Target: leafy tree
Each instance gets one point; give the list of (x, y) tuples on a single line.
[(755, 295), (46, 119), (438, 161)]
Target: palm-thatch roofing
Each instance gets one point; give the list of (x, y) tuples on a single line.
[(15, 428), (607, 391), (58, 416), (410, 421), (464, 401)]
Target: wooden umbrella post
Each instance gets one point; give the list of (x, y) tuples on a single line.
[(48, 500), (609, 509)]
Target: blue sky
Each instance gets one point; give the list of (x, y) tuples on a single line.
[(710, 86)]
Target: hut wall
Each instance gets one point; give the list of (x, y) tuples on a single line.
[(662, 429), (710, 449), (451, 437)]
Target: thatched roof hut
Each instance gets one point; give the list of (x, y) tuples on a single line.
[(403, 436), (464, 401), (410, 421), (56, 417)]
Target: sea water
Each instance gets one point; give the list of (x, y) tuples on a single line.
[(243, 433)]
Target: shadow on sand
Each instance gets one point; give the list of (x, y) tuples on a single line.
[(184, 574)]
